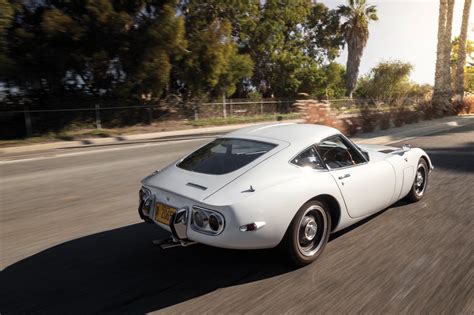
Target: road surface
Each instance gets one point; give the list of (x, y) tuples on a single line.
[(71, 242)]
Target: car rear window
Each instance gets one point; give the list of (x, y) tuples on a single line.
[(225, 155)]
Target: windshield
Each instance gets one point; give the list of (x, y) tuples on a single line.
[(225, 155)]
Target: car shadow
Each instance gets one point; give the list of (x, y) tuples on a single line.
[(121, 271), (456, 159)]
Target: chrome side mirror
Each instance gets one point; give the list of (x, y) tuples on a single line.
[(366, 154)]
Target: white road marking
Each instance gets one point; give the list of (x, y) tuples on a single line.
[(130, 146), (103, 150), (400, 140)]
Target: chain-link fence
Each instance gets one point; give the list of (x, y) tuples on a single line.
[(38, 121), (27, 122)]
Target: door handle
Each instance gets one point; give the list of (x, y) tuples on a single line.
[(344, 176)]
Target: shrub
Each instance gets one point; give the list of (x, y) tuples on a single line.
[(350, 126), (426, 109), (368, 116), (469, 100), (400, 115), (384, 121), (464, 106), (412, 117)]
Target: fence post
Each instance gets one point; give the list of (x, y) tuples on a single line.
[(261, 106), (150, 115), (98, 123), (196, 115), (224, 112), (231, 108), (27, 121)]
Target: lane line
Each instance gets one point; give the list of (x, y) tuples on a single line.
[(105, 150), (404, 139)]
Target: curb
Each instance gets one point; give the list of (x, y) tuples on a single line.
[(379, 137)]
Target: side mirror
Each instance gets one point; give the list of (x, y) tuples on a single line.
[(366, 154)]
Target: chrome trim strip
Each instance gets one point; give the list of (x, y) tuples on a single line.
[(196, 186)]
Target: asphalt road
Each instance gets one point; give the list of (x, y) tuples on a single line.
[(71, 242)]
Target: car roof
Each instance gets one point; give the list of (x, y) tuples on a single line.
[(293, 133)]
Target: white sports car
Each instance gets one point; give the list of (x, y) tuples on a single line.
[(282, 184)]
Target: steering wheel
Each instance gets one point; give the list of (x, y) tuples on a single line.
[(338, 155)]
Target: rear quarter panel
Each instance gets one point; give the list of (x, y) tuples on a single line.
[(280, 190)]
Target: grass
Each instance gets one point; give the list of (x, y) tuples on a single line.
[(206, 122)]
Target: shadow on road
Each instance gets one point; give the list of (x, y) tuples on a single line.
[(121, 271), (457, 159)]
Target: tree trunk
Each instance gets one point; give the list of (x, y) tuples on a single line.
[(443, 6), (459, 77), (447, 87), (352, 68), (442, 92)]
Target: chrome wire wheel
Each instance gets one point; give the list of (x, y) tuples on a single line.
[(312, 228), (420, 180)]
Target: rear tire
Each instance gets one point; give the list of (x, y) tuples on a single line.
[(308, 233), (420, 183)]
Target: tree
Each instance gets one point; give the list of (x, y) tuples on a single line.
[(442, 91), (387, 82), (291, 43), (237, 67), (455, 55), (217, 59), (6, 19), (461, 60), (154, 44), (323, 34), (469, 79), (358, 15), (63, 46)]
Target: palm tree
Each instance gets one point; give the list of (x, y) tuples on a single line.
[(443, 8), (442, 91), (448, 45), (358, 14), (459, 77)]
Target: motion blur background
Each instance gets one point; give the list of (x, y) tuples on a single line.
[(67, 67)]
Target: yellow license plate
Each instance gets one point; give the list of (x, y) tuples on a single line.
[(163, 213)]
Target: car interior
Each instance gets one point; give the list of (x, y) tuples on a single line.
[(336, 153)]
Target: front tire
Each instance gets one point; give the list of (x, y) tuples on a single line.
[(308, 233), (420, 183)]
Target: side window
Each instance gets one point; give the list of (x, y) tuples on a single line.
[(308, 158), (336, 152)]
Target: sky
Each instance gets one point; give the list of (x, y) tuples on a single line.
[(406, 31)]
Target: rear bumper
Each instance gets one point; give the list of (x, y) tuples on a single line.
[(142, 215), (232, 237), (178, 222), (235, 217)]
